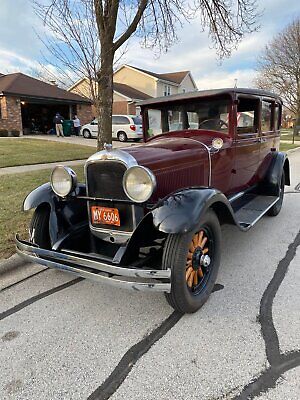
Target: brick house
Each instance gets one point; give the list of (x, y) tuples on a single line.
[(28, 104), (132, 84)]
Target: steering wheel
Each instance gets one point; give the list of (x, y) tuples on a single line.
[(217, 122)]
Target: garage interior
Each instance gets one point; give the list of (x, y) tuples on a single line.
[(38, 118)]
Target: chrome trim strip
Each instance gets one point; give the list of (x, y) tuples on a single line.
[(209, 157), (36, 255), (236, 196)]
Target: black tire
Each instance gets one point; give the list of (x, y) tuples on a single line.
[(182, 298), (275, 210), (39, 227), (122, 137), (86, 134)]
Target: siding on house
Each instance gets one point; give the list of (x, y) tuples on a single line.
[(137, 80)]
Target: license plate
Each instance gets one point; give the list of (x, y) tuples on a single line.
[(106, 216)]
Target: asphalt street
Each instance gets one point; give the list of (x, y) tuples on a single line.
[(66, 338)]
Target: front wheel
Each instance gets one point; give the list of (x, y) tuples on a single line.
[(86, 134), (275, 210), (39, 227), (194, 260)]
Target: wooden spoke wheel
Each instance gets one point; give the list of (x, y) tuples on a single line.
[(194, 260), (198, 260)]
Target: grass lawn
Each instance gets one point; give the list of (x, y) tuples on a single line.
[(19, 151), (13, 190), (288, 146)]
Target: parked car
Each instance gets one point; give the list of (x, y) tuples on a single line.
[(124, 127), (148, 217)]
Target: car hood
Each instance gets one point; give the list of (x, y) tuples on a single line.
[(168, 152), (175, 162)]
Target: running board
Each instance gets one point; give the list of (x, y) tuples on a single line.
[(250, 208)]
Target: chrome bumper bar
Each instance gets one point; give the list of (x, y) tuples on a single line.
[(98, 271)]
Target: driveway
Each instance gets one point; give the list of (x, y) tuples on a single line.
[(76, 140), (66, 338)]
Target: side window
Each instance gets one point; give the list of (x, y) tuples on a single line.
[(119, 120), (266, 116), (247, 115), (277, 117)]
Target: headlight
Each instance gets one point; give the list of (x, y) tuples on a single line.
[(139, 183), (63, 180)]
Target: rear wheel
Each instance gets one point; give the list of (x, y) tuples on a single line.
[(275, 210), (86, 134), (39, 227), (194, 260), (122, 136)]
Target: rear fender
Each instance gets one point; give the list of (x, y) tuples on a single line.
[(270, 185), (64, 213)]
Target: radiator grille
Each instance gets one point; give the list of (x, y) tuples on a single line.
[(104, 180)]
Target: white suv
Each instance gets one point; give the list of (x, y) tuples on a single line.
[(124, 127)]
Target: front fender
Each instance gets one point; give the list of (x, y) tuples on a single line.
[(182, 211), (64, 213)]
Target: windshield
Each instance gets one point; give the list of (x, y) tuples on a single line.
[(207, 114)]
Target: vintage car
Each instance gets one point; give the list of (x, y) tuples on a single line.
[(148, 216)]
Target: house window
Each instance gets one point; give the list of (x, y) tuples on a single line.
[(167, 90)]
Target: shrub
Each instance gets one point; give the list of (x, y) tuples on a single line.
[(15, 133), (3, 132)]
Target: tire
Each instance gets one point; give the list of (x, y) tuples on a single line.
[(39, 227), (122, 137), (183, 298), (275, 210), (86, 134)]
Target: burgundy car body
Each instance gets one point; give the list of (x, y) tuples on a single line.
[(239, 181)]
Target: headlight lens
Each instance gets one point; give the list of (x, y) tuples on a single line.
[(139, 183), (63, 180)]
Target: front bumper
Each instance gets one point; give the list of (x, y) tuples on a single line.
[(99, 271)]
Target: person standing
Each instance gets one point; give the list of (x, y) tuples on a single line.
[(76, 122), (58, 121)]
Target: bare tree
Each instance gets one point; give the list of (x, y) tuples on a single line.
[(279, 68), (85, 35)]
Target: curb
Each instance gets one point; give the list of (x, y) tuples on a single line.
[(11, 263), (293, 150)]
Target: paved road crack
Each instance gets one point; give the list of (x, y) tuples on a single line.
[(279, 363), (39, 296), (121, 371)]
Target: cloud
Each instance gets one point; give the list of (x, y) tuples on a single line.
[(20, 48)]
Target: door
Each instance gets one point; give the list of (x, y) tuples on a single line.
[(94, 127), (246, 143), (269, 132)]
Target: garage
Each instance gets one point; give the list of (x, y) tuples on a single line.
[(28, 105)]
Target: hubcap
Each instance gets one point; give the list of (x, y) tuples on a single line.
[(198, 260)]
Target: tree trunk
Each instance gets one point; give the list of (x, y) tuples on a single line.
[(105, 96)]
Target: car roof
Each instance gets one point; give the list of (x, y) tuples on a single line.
[(208, 93)]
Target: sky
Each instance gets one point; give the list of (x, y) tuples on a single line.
[(21, 49)]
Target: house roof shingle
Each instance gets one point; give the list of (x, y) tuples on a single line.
[(174, 77), (130, 92), (26, 86)]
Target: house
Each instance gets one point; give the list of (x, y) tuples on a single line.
[(28, 104), (132, 84)]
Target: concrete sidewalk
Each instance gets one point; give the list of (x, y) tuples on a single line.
[(36, 167)]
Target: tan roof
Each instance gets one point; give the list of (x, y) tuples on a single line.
[(22, 85), (175, 77), (130, 92)]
